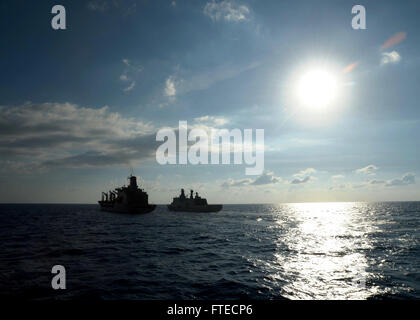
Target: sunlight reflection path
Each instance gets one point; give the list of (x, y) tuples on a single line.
[(325, 251)]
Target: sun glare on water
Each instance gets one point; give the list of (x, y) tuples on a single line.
[(317, 88)]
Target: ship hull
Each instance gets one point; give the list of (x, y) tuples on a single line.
[(207, 208), (126, 209)]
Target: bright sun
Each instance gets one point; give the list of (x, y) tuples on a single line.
[(317, 88)]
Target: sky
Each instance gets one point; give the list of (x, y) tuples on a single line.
[(80, 107)]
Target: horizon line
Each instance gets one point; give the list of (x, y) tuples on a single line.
[(164, 204)]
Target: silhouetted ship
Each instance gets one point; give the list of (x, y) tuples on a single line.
[(193, 204), (129, 199)]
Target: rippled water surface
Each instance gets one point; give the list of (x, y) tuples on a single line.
[(295, 251)]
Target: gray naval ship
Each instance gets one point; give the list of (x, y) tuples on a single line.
[(192, 204), (129, 199)]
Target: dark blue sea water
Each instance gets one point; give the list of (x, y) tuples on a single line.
[(295, 251)]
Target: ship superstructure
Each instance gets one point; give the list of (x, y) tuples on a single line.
[(126, 199), (192, 204)]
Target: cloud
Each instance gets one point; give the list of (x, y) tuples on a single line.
[(369, 170), (390, 57), (66, 135), (170, 90), (211, 121), (365, 184), (395, 39), (373, 182), (338, 176), (306, 172), (301, 180), (191, 80), (133, 66), (130, 87), (183, 81), (266, 178), (98, 5), (341, 186), (130, 71), (236, 183), (226, 10), (408, 178), (303, 176)]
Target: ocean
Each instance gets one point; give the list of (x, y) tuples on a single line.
[(284, 251)]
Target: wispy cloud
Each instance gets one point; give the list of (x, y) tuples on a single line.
[(130, 87), (183, 80), (211, 121), (98, 5), (299, 180), (130, 71), (303, 176), (226, 10), (369, 170), (374, 181), (266, 178), (170, 90), (390, 57), (306, 172), (338, 176), (408, 178), (124, 77), (236, 183)]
